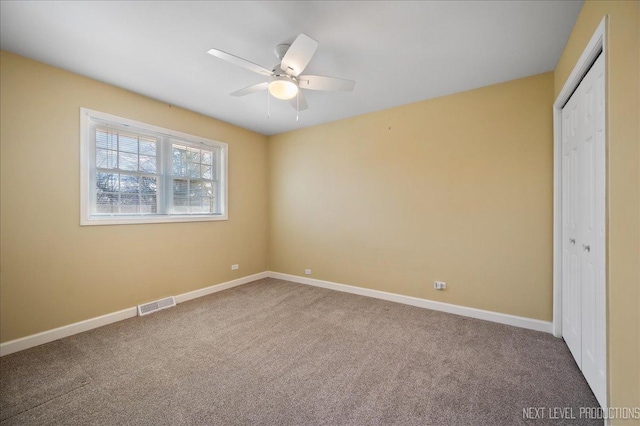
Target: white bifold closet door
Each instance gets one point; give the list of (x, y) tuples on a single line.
[(583, 228)]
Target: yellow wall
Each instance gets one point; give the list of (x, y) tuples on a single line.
[(54, 272), (623, 137), (457, 189)]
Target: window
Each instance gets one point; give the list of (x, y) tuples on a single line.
[(133, 172)]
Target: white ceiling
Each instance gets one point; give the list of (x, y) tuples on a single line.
[(398, 52)]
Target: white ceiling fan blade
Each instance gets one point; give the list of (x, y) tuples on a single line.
[(298, 55), (239, 61), (299, 103), (251, 89), (319, 82)]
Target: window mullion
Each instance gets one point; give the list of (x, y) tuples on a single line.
[(167, 183), (160, 155)]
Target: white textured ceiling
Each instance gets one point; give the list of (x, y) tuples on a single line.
[(398, 52)]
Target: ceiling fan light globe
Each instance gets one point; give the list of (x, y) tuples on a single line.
[(283, 88)]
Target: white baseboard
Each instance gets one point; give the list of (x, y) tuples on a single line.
[(65, 331), (79, 327), (522, 322), (86, 325), (219, 287)]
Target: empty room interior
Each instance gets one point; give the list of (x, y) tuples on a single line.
[(337, 213)]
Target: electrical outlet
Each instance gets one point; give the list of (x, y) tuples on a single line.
[(439, 285), (234, 267), (307, 271)]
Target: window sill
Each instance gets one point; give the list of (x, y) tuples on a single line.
[(131, 220)]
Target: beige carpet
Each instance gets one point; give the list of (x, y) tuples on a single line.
[(278, 353)]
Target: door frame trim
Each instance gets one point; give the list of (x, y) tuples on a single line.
[(596, 45)]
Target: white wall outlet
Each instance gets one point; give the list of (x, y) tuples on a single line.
[(234, 267), (307, 271), (439, 285)]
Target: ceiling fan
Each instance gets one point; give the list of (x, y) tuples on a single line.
[(285, 80)]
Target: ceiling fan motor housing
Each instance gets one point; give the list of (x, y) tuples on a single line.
[(281, 50)]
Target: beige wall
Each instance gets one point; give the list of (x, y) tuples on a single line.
[(54, 272), (623, 137), (457, 189)]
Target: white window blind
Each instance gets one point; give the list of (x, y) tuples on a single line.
[(126, 173), (137, 173), (195, 174)]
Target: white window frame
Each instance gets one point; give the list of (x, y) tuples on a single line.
[(87, 169)]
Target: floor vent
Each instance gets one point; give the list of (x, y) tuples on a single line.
[(158, 305)]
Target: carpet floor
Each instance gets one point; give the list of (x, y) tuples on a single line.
[(274, 352)]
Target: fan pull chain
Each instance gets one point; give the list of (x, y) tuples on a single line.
[(298, 105), (268, 105)]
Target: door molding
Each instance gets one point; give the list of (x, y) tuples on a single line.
[(597, 45)]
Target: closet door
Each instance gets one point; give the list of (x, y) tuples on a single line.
[(583, 218)]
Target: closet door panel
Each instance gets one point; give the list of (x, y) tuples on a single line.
[(571, 312), (593, 257)]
